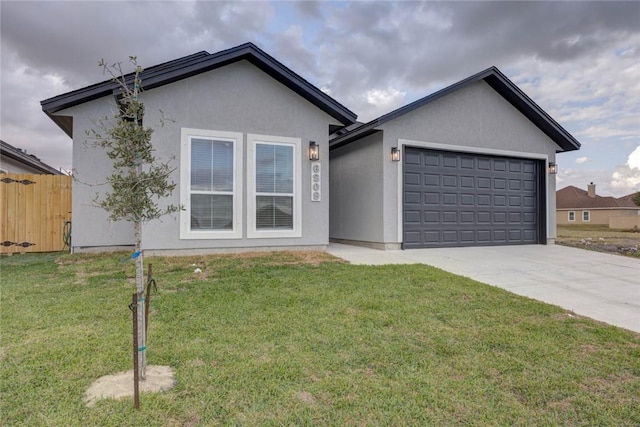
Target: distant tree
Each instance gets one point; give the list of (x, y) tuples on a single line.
[(138, 181), (636, 198)]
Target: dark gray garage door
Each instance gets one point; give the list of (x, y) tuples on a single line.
[(459, 199)]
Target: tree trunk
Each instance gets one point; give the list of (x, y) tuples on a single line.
[(142, 335)]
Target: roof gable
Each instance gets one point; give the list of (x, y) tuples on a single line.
[(191, 65), (498, 82)]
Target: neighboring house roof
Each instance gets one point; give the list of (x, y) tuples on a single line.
[(29, 160), (197, 63), (575, 198), (628, 201), (501, 84)]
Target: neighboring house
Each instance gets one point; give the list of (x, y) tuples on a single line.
[(15, 160), (471, 168), (242, 133), (577, 206)]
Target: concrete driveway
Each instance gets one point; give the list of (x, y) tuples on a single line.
[(597, 285)]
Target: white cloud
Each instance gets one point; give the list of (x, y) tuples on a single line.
[(376, 102), (385, 98), (582, 160), (327, 90), (634, 159), (626, 178)]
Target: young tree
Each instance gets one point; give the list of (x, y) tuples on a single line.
[(138, 181)]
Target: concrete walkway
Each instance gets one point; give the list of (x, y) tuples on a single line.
[(601, 286)]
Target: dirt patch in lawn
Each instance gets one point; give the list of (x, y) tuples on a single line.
[(117, 386), (600, 238)]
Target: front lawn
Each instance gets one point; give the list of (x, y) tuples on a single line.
[(301, 339)]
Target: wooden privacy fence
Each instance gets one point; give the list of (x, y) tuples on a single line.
[(33, 211)]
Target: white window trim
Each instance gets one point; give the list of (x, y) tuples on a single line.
[(185, 183), (252, 232), (588, 216), (569, 216)]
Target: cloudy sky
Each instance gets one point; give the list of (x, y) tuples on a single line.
[(580, 61)]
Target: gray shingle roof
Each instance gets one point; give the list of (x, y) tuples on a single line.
[(501, 84), (197, 63), (29, 160)]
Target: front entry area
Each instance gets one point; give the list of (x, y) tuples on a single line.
[(464, 199)]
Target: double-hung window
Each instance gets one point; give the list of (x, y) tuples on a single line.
[(211, 179), (571, 216), (586, 216), (273, 200)]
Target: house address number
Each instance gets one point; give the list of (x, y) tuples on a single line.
[(315, 182)]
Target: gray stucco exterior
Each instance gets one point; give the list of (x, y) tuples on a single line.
[(235, 98), (474, 119), (354, 193)]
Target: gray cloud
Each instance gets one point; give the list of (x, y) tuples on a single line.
[(309, 9), (351, 48)]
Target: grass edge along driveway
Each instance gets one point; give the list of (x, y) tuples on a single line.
[(302, 339)]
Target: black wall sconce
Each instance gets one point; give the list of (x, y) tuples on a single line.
[(553, 168), (395, 154), (314, 151)]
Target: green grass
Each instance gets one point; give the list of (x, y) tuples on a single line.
[(300, 339)]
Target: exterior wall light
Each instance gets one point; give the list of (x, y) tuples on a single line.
[(314, 151), (553, 168), (395, 154)]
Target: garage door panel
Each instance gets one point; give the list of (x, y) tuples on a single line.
[(449, 181), (458, 199), (467, 162), (412, 237), (432, 237), (467, 217), (450, 161), (431, 198), (449, 217), (467, 200), (431, 180), (499, 217), (467, 182), (499, 184), (431, 217), (467, 236), (499, 236), (500, 165), (483, 200), (412, 217), (431, 159), (412, 178), (483, 236), (449, 199), (484, 182), (412, 158), (412, 197)]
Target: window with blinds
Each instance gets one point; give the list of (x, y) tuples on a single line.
[(211, 177), (274, 186), (211, 184), (273, 201)]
